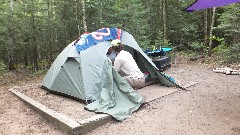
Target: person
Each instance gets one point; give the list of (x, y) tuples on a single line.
[(111, 54), (127, 67)]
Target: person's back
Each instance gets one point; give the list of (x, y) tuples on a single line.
[(125, 63), (127, 68)]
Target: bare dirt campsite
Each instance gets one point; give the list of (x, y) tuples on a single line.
[(164, 67), (210, 107)]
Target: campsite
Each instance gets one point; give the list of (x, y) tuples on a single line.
[(165, 67), (210, 107)]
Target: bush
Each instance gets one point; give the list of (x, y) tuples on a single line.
[(5, 77), (233, 54), (228, 54), (2, 68), (198, 47)]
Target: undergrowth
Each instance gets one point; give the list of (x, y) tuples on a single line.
[(17, 76)]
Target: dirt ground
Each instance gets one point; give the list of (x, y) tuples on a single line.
[(211, 107)]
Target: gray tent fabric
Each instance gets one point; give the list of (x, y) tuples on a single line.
[(144, 61), (69, 78), (76, 74), (83, 75), (89, 77), (117, 97)]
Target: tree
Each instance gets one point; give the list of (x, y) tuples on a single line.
[(84, 16), (211, 31), (165, 30), (4, 43), (206, 37), (10, 55), (229, 24), (34, 32)]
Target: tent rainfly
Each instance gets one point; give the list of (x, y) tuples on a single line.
[(83, 71)]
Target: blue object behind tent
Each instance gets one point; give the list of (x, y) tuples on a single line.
[(159, 52)]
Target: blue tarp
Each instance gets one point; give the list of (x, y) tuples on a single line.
[(105, 34), (159, 52)]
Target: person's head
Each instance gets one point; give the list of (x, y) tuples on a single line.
[(115, 42), (118, 48)]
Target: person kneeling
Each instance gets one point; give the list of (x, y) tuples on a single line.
[(127, 68)]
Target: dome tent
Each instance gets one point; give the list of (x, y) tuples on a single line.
[(83, 71)]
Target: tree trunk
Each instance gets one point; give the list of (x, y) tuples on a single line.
[(35, 51), (165, 36), (206, 27), (84, 15), (50, 55), (196, 58), (26, 39), (211, 31), (10, 64), (76, 13), (65, 27)]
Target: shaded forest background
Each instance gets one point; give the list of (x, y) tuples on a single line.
[(34, 32)]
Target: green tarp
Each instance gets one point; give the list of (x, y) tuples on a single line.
[(117, 97)]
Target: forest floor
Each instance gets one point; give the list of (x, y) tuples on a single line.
[(208, 108)]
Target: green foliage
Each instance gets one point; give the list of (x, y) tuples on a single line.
[(2, 67), (129, 15), (41, 30), (162, 43), (198, 47), (233, 54), (229, 49), (228, 54), (4, 75), (229, 23), (220, 48), (216, 38)]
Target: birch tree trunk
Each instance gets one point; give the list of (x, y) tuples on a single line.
[(165, 20), (211, 31), (206, 37), (76, 13), (84, 15)]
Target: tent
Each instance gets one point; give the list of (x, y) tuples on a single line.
[(83, 71), (203, 4)]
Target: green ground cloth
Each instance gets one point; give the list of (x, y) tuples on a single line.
[(116, 96)]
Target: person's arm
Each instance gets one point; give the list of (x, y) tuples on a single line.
[(117, 65)]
